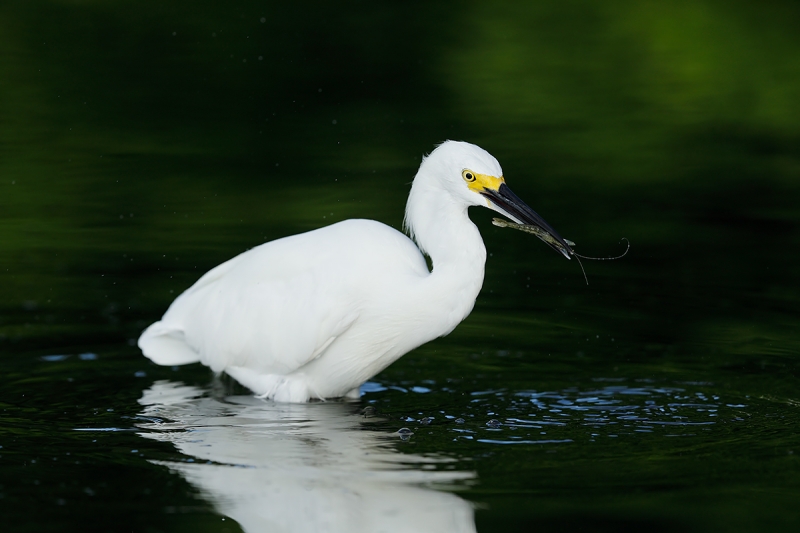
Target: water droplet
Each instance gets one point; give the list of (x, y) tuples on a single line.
[(404, 433)]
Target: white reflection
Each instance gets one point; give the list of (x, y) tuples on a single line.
[(301, 467)]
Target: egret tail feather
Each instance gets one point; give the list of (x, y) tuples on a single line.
[(166, 346)]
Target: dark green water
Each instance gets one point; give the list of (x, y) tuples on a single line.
[(142, 144)]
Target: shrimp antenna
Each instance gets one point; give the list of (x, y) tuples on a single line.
[(578, 258), (605, 258)]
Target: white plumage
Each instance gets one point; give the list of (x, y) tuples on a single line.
[(315, 315)]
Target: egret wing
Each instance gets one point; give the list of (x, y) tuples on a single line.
[(271, 309), (278, 306)]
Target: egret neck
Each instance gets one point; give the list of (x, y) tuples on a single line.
[(439, 224)]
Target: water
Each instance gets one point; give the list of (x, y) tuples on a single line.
[(140, 146)]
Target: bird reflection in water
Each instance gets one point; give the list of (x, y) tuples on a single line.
[(301, 467)]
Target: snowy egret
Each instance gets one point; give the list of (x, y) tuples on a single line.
[(315, 315)]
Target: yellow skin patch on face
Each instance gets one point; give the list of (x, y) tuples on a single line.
[(483, 182)]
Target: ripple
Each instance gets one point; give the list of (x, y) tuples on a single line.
[(575, 414), (546, 441)]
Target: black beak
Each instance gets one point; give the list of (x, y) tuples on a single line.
[(514, 208)]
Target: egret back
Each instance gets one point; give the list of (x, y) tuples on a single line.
[(276, 307)]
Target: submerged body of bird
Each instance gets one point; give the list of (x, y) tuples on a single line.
[(315, 315)]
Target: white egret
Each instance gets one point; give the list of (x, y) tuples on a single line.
[(315, 315)]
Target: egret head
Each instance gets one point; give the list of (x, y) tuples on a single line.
[(472, 176)]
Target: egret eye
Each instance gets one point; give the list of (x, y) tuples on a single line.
[(468, 175)]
